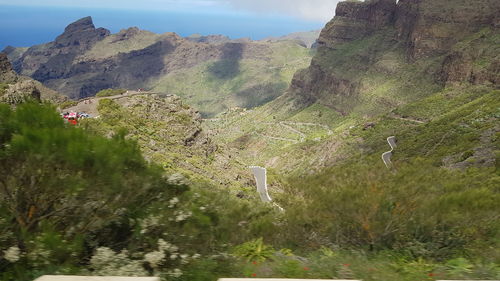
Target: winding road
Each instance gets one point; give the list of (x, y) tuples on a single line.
[(386, 156)]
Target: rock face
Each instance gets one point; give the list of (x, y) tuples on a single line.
[(355, 20), (7, 75), (432, 27), (378, 54)]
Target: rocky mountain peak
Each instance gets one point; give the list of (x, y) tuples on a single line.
[(81, 34), (82, 24)]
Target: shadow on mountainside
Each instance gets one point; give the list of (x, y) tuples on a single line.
[(260, 94), (126, 70), (228, 66)]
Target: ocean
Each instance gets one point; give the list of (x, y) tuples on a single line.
[(27, 26)]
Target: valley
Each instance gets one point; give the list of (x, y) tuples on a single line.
[(157, 182)]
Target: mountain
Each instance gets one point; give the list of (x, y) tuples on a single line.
[(209, 38), (84, 60), (377, 62), (306, 38)]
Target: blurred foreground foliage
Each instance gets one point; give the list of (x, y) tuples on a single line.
[(74, 202), (77, 203)]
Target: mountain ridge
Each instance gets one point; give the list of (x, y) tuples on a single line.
[(84, 60)]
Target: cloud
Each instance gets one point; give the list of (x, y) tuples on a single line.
[(314, 10)]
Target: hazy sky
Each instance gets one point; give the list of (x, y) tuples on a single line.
[(316, 10)]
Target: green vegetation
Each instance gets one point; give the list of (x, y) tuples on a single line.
[(216, 86), (110, 92), (115, 44), (3, 87), (355, 219)]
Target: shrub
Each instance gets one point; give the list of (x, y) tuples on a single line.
[(254, 250)]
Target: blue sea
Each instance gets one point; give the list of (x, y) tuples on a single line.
[(27, 26)]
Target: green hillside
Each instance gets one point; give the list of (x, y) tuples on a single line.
[(218, 85)]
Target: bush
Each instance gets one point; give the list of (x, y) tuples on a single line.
[(63, 192), (421, 210), (254, 250)]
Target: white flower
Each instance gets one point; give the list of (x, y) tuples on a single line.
[(176, 273), (12, 254), (173, 256), (154, 258), (196, 256), (173, 202), (182, 216), (106, 262)]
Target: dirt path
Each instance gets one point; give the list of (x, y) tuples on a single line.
[(409, 119), (288, 125), (277, 138)]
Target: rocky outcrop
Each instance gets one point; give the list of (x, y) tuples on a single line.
[(79, 35), (21, 92), (355, 20), (52, 60), (7, 75)]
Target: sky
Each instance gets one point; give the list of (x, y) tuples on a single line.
[(31, 22)]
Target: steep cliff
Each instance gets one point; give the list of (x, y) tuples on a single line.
[(379, 54)]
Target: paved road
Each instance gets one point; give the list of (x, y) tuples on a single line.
[(386, 156)]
